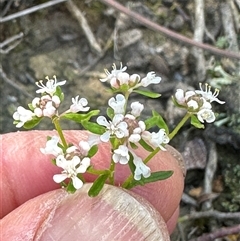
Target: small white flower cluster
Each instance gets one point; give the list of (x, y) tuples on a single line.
[(123, 129), (199, 102), (119, 78), (47, 105), (73, 161), (128, 130)]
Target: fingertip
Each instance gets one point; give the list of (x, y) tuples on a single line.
[(113, 215)]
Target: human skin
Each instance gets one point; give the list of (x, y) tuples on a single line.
[(29, 195)]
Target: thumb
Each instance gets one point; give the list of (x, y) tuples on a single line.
[(113, 215)]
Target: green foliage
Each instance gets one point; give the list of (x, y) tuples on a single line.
[(32, 123), (98, 185), (156, 120), (147, 93), (195, 122), (80, 117), (155, 176)]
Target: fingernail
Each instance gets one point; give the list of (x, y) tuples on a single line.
[(178, 157), (113, 215)]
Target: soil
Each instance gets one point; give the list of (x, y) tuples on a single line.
[(53, 43)]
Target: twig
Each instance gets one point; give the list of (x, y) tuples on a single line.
[(10, 82), (17, 37), (189, 200), (30, 10), (218, 233), (198, 36), (210, 214), (5, 10), (146, 22), (210, 172), (84, 25), (94, 62), (228, 26)]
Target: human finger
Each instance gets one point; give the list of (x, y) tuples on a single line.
[(113, 215), (27, 173)]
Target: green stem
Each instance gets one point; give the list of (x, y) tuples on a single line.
[(60, 132), (127, 181), (111, 169), (179, 126), (97, 172), (148, 158)]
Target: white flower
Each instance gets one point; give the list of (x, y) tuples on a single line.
[(136, 134), (52, 147), (156, 139), (208, 95), (150, 79), (49, 109), (71, 168), (116, 127), (22, 115), (46, 105), (79, 105), (182, 97), (206, 115), (84, 147), (141, 168), (50, 86), (114, 73), (121, 155), (192, 104), (134, 79), (118, 104), (123, 78), (137, 108)]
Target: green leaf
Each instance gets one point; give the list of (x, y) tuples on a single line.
[(98, 185), (146, 146), (59, 93), (156, 120), (147, 93), (151, 122), (155, 176), (93, 127), (70, 188), (93, 151), (160, 121), (80, 117), (32, 123), (110, 113), (195, 122), (131, 164), (30, 106)]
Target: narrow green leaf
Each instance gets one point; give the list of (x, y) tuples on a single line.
[(110, 113), (195, 122), (146, 146), (160, 121), (32, 123), (147, 93), (158, 176), (131, 164), (30, 106), (70, 188), (79, 117), (155, 176), (93, 151), (98, 185), (93, 127), (151, 122), (59, 93)]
